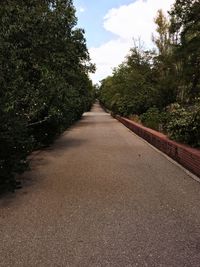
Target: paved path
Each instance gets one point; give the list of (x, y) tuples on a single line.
[(100, 196)]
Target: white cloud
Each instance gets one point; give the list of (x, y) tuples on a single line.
[(135, 20), (108, 56)]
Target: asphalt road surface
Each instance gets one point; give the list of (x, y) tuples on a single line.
[(101, 196)]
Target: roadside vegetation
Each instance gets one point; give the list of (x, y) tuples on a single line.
[(161, 87), (44, 83)]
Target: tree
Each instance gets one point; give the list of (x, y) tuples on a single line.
[(129, 90), (163, 40), (44, 83), (165, 65), (185, 23)]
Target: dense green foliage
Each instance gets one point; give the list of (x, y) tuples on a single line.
[(162, 86), (152, 118), (184, 124), (44, 84), (131, 88)]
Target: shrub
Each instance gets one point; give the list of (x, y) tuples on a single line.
[(184, 124), (135, 118), (151, 118)]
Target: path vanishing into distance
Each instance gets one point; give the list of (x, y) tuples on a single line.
[(101, 196)]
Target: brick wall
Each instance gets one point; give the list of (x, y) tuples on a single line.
[(185, 155)]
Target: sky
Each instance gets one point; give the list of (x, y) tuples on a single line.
[(111, 26)]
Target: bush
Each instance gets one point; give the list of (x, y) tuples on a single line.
[(15, 145), (184, 124), (135, 118), (152, 118)]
